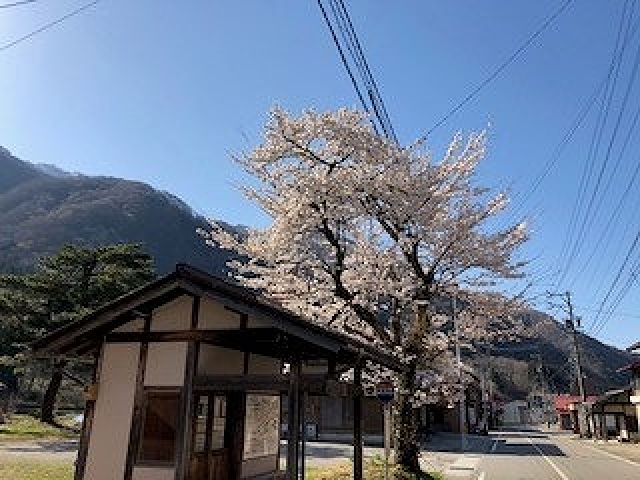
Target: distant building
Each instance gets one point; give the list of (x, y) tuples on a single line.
[(615, 414), (515, 412), (566, 410)]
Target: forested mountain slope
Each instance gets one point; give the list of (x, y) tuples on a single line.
[(42, 209), (39, 213)]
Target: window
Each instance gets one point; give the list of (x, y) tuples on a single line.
[(200, 428), (211, 415), (219, 422), (157, 443)]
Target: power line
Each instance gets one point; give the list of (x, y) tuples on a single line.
[(47, 26), (353, 59), (17, 4), (582, 114), (344, 59), (372, 86), (597, 193), (622, 293), (618, 208), (597, 322), (512, 58), (571, 245)]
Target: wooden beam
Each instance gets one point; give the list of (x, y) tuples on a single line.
[(87, 423), (357, 422), (313, 383), (303, 420), (293, 421), (98, 323), (222, 335), (135, 430), (185, 421), (281, 319), (236, 417)]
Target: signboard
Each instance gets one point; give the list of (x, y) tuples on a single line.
[(385, 391), (261, 433)]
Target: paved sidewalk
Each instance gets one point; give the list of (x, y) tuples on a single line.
[(443, 452), (46, 450), (440, 453), (626, 450)]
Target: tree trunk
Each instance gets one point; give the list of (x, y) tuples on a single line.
[(407, 448), (49, 399)]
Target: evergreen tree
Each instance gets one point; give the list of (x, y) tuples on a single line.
[(65, 287)]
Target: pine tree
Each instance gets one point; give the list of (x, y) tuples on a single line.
[(65, 287)]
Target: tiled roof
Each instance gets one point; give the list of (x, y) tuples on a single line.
[(563, 400)]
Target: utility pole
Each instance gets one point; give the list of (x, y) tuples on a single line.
[(546, 409), (571, 324), (541, 387)]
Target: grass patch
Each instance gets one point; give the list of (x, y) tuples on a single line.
[(373, 470), (21, 469), (27, 427)]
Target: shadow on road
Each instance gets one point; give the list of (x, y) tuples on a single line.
[(509, 442), (527, 449)]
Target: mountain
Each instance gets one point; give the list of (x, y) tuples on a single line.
[(40, 212), (546, 357), (14, 172), (42, 208), (52, 170)]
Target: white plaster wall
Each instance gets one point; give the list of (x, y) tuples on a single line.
[(165, 364), (136, 325), (153, 473), (259, 466), (214, 360), (173, 316), (214, 316), (259, 364), (109, 439)]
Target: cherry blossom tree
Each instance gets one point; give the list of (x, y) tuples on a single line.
[(368, 236)]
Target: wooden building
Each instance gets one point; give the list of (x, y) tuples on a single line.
[(613, 416), (190, 372)]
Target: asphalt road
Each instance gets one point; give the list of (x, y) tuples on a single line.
[(542, 455)]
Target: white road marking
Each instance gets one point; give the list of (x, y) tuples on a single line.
[(612, 455), (553, 465)]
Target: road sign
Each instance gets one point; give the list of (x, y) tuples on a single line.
[(385, 391)]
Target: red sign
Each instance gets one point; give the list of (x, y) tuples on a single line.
[(385, 391)]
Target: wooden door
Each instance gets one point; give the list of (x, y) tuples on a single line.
[(210, 449)]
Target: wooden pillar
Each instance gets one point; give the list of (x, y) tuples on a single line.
[(185, 422), (357, 422), (135, 432), (236, 415), (87, 419), (303, 422), (293, 421)]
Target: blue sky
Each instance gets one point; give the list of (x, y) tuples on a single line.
[(165, 92)]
